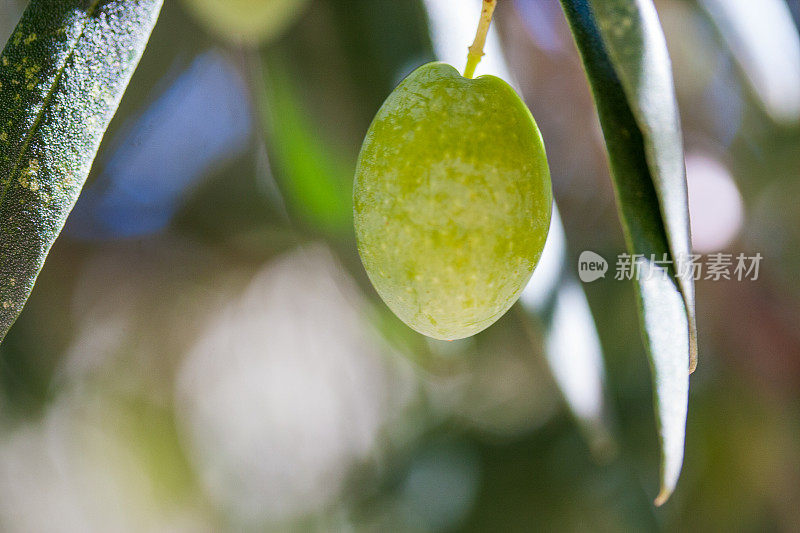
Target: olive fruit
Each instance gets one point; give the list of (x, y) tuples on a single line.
[(246, 21), (452, 201)]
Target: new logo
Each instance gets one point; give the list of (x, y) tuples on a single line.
[(591, 266)]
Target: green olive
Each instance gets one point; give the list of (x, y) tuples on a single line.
[(246, 21), (452, 201)]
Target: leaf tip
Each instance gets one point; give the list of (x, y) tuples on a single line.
[(662, 497)]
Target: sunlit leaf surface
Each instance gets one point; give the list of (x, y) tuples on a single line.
[(62, 75)]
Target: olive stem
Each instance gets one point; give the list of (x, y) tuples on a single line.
[(476, 50)]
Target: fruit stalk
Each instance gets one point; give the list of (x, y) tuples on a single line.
[(476, 50)]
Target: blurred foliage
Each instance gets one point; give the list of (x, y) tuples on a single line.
[(233, 369)]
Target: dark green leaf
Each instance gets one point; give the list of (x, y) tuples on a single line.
[(62, 75), (625, 57)]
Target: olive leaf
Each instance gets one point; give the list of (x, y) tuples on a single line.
[(62, 75), (624, 53)]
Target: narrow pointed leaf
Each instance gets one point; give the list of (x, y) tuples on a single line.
[(62, 75), (624, 53)]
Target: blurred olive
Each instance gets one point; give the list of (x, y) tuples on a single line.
[(250, 22)]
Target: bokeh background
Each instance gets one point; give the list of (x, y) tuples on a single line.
[(203, 352)]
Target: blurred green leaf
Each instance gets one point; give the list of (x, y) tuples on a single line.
[(626, 60), (314, 176), (62, 75), (317, 96), (774, 78)]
